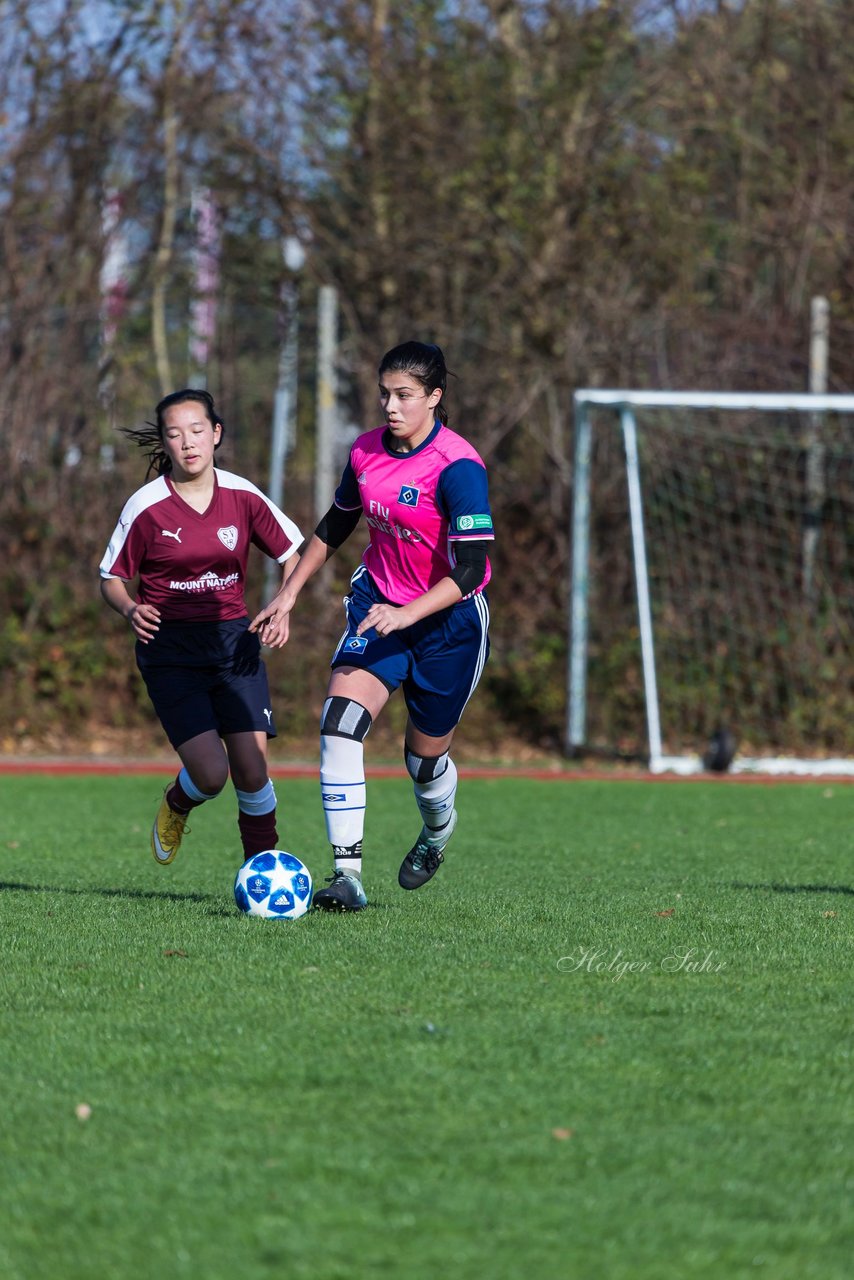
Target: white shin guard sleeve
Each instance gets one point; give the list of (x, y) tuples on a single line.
[(342, 788)]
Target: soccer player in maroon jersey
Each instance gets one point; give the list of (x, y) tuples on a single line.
[(417, 613), (185, 537)]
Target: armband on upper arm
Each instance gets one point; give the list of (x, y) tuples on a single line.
[(337, 525), (470, 570)]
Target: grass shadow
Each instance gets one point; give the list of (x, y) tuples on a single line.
[(162, 895), (796, 888), (159, 895)]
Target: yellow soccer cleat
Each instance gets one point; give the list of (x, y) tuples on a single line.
[(167, 832)]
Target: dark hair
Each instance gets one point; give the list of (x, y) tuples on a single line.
[(150, 436), (425, 362)]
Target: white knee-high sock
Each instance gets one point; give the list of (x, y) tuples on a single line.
[(342, 788)]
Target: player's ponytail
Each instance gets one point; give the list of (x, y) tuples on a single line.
[(423, 361)]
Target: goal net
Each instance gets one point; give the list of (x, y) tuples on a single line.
[(713, 580)]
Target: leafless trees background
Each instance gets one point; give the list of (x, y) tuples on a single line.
[(560, 192)]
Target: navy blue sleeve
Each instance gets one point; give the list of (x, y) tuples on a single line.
[(347, 495), (463, 496)]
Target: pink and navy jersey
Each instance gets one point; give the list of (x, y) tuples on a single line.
[(192, 565), (417, 506)]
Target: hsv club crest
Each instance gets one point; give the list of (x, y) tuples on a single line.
[(228, 536)]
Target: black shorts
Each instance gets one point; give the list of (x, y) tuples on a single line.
[(206, 675)]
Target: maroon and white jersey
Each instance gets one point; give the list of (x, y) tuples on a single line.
[(192, 565)]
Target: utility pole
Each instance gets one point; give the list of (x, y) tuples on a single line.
[(816, 484), (327, 424), (283, 430)]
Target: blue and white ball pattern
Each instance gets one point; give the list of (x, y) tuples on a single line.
[(275, 885)]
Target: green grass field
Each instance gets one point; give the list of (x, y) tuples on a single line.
[(611, 1039)]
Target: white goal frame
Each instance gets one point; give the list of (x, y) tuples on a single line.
[(625, 403)]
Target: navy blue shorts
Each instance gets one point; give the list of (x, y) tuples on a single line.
[(437, 662), (206, 675)]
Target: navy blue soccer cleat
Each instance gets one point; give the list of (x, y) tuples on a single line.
[(426, 856), (344, 893)]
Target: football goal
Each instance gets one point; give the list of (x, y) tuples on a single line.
[(712, 595)]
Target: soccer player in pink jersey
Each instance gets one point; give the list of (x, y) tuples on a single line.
[(186, 537), (417, 615)]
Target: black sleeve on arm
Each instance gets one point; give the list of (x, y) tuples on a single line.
[(337, 525), (470, 569)]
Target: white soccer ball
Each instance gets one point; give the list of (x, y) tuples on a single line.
[(275, 885)]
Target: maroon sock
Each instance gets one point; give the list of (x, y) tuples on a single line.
[(177, 799), (257, 832)]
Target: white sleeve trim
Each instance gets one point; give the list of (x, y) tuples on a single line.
[(153, 492)]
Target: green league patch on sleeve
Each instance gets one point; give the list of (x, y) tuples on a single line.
[(466, 523)]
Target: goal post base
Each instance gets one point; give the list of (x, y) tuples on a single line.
[(768, 766)]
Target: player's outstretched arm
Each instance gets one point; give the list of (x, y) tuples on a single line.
[(273, 622), (334, 529)]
